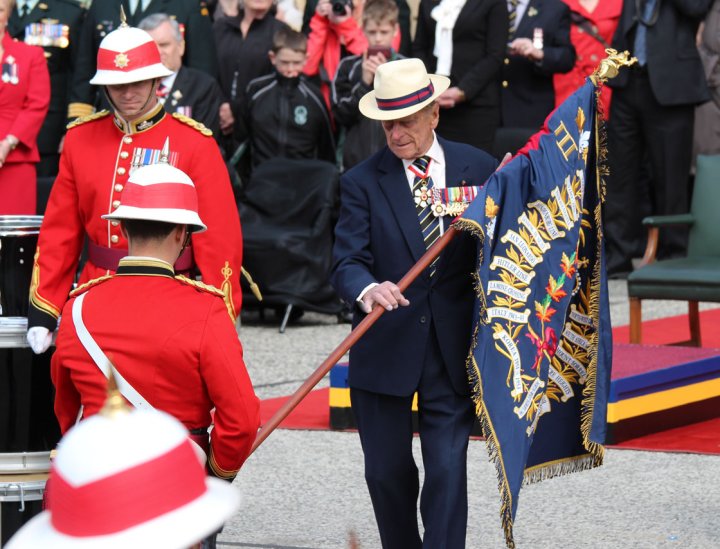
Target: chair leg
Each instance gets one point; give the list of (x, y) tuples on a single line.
[(285, 319), (694, 318), (635, 320)]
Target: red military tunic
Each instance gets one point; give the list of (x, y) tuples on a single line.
[(172, 340), (99, 154)]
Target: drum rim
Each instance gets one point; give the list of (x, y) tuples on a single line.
[(20, 225), (12, 463)]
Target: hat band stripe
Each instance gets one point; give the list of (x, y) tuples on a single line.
[(406, 100), (160, 195), (128, 498), (124, 61)]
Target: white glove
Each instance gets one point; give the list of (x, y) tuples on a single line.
[(39, 339)]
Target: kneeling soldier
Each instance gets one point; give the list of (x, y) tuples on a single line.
[(171, 339)]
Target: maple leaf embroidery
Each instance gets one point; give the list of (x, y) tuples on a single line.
[(543, 312), (554, 290)]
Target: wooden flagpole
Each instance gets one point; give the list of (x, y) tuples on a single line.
[(350, 340)]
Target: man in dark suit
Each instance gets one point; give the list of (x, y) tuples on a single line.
[(421, 343), (652, 117), (104, 16), (538, 47), (54, 25), (187, 91)]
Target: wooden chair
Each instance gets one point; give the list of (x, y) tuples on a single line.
[(693, 278)]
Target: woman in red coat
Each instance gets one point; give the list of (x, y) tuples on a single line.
[(24, 100), (592, 29)]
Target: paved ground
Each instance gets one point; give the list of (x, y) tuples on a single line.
[(305, 489)]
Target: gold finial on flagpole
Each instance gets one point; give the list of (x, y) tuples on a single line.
[(610, 66)]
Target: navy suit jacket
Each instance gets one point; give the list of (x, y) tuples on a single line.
[(674, 68), (378, 238), (528, 95)]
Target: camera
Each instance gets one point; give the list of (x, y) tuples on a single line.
[(338, 6)]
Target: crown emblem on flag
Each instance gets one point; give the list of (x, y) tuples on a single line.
[(121, 60)]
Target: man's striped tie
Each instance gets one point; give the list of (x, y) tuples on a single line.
[(422, 185), (512, 16)]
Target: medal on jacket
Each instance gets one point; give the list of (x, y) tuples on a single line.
[(143, 157), (452, 200), (176, 96), (47, 33), (10, 70)]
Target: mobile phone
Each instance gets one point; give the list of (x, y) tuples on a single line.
[(374, 50)]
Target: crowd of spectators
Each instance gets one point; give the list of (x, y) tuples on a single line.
[(283, 78)]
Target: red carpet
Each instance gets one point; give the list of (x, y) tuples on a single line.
[(313, 413), (698, 438), (672, 329)]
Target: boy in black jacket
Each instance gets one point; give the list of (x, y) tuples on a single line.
[(284, 114), (354, 78)]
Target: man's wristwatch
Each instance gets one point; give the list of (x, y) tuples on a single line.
[(12, 141)]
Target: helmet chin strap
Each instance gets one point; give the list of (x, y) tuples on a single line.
[(127, 116)]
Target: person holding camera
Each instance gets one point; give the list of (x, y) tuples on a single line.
[(354, 79), (334, 34)]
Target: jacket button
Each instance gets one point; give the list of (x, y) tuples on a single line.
[(114, 223), (115, 203), (121, 171), (118, 187), (504, 83), (423, 320), (114, 239), (124, 154), (507, 61), (127, 139)]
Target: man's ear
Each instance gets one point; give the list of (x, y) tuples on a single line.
[(179, 233), (182, 48), (271, 56)]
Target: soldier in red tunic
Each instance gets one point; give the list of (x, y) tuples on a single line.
[(100, 153), (170, 338)]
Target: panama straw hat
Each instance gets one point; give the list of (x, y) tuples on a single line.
[(128, 479), (128, 55), (401, 88), (160, 192)]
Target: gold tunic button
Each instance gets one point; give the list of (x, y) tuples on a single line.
[(118, 187), (114, 223), (127, 139), (124, 154), (114, 239), (507, 61), (115, 203), (121, 171), (504, 83)]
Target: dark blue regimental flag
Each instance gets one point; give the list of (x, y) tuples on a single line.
[(541, 356)]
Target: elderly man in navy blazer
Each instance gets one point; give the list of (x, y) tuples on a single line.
[(420, 345)]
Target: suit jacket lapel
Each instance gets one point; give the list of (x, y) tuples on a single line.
[(455, 175), (464, 18), (178, 85), (393, 184), (528, 23)]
